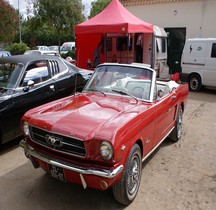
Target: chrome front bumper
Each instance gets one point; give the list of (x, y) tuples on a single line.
[(102, 173)]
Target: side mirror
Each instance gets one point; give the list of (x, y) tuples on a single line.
[(160, 93), (30, 84)]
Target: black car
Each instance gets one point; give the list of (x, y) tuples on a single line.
[(28, 81)]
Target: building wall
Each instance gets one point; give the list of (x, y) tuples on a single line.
[(197, 16)]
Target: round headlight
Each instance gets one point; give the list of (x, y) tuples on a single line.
[(26, 128), (106, 150)]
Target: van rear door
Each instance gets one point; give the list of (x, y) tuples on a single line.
[(210, 69)]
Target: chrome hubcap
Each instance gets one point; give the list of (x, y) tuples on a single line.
[(134, 175), (179, 124)]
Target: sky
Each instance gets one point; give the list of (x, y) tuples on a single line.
[(22, 5)]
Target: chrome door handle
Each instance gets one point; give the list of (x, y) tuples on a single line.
[(173, 97), (52, 87)]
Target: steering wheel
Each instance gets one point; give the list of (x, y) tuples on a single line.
[(139, 92)]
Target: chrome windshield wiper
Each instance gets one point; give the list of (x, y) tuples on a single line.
[(125, 93), (5, 88), (95, 89)]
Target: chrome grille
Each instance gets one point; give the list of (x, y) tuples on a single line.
[(67, 144)]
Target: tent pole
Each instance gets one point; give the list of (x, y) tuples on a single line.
[(105, 47), (153, 51), (128, 47)]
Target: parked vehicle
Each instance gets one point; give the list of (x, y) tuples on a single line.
[(41, 52), (99, 138), (41, 48), (199, 63), (4, 53), (28, 81), (66, 47), (54, 48)]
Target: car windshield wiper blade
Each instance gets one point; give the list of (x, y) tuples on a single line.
[(95, 89), (5, 88), (125, 93)]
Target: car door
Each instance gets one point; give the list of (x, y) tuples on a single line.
[(36, 87), (6, 119), (66, 78), (165, 110)]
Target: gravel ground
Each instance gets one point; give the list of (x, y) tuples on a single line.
[(180, 176)]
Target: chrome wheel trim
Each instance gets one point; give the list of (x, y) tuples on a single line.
[(179, 124), (133, 177)]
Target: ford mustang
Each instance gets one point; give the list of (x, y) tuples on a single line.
[(99, 138)]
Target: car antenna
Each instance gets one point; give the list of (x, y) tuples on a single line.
[(75, 84)]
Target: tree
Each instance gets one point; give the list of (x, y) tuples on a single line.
[(60, 15), (8, 22), (98, 6), (35, 32)]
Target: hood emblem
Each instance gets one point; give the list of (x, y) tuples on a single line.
[(54, 140)]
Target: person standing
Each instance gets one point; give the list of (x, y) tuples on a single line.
[(98, 55), (139, 48)]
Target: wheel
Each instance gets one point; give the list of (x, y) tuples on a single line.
[(126, 189), (0, 135), (177, 131), (139, 92), (195, 82)]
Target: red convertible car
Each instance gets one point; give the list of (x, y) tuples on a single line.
[(99, 138)]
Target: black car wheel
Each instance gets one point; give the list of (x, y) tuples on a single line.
[(126, 189), (177, 131), (195, 82)]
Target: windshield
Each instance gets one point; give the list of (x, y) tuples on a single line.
[(54, 48), (66, 47), (124, 80), (9, 73)]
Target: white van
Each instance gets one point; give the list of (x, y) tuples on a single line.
[(198, 63), (67, 46)]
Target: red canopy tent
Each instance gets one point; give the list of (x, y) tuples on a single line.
[(113, 19)]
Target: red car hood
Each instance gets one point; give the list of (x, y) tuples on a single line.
[(85, 115)]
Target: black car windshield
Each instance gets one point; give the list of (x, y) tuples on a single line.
[(9, 73), (122, 79)]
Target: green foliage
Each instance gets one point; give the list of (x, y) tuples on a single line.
[(17, 48), (70, 53), (60, 16), (98, 6), (8, 22)]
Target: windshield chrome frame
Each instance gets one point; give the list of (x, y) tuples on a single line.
[(140, 66)]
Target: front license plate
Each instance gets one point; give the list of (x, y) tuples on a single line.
[(56, 172)]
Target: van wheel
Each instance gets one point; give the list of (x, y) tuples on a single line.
[(195, 82)]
